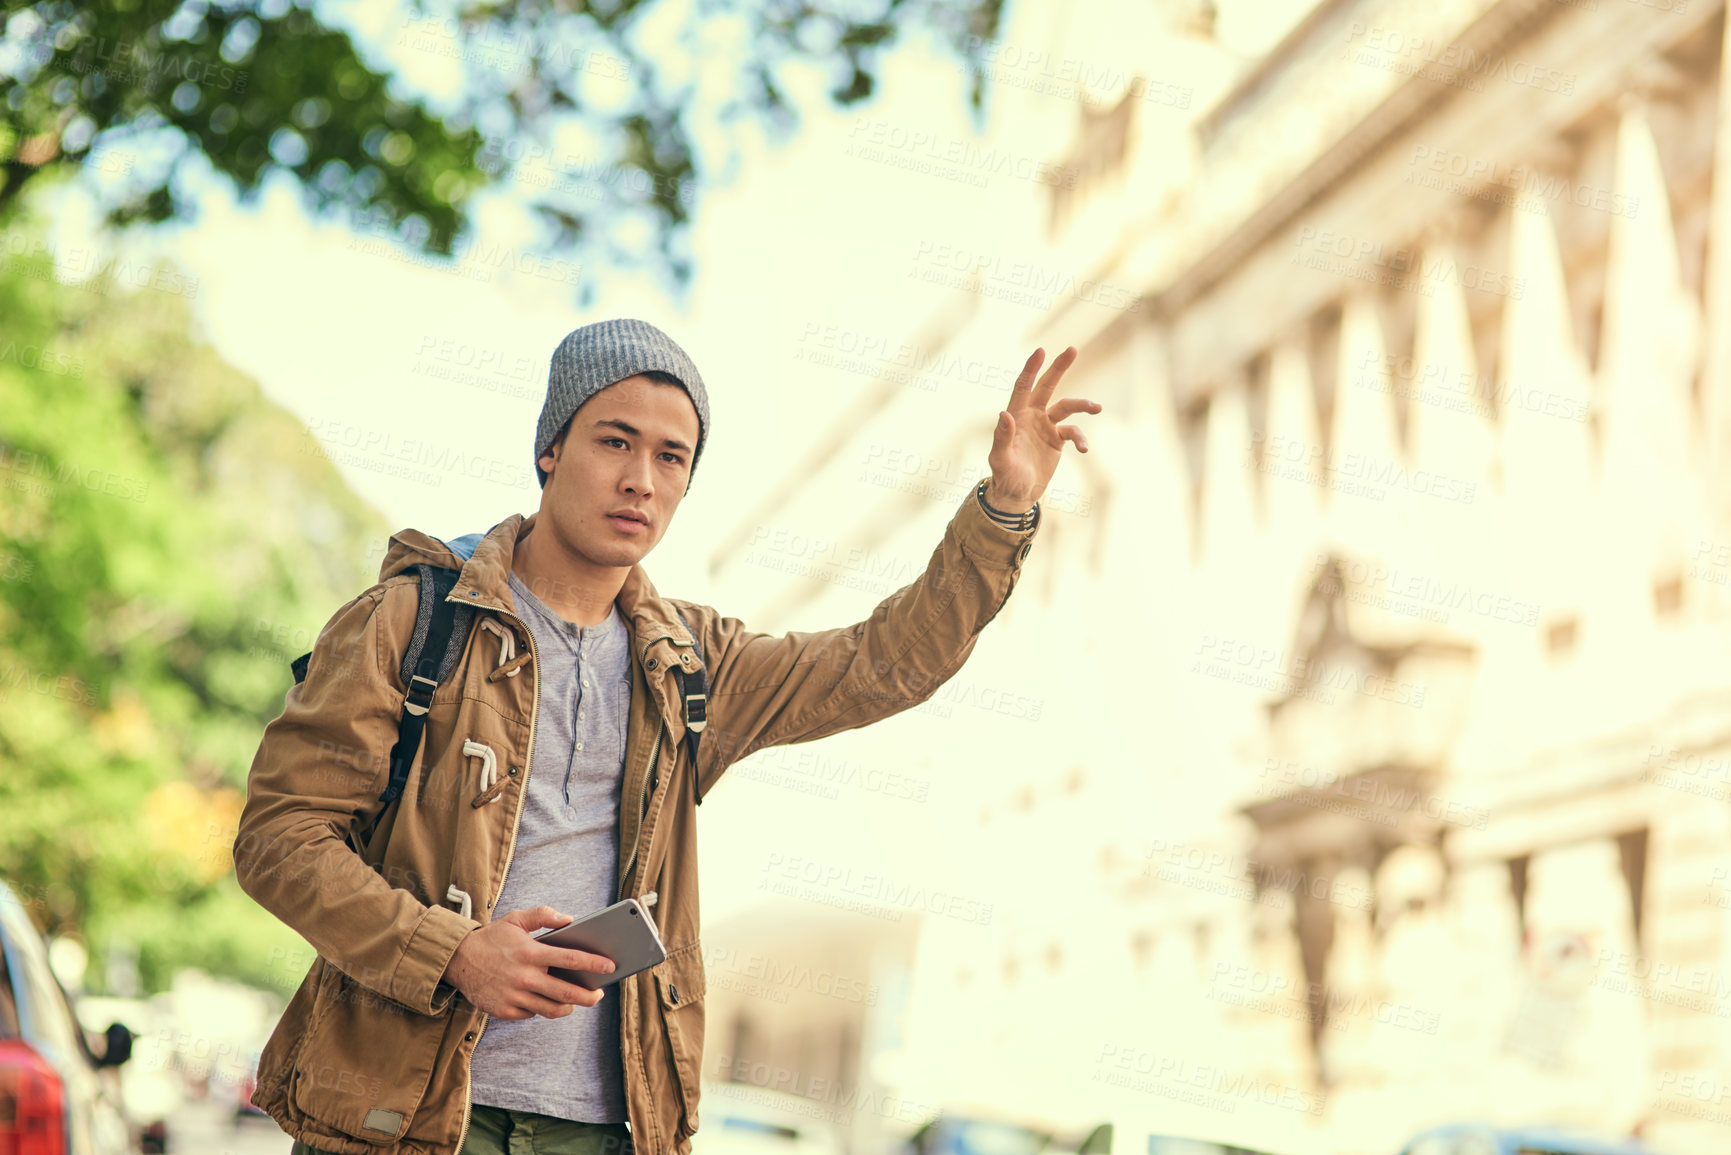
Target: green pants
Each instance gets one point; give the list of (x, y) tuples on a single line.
[(498, 1131)]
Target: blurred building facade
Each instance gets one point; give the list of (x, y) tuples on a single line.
[(1355, 754)]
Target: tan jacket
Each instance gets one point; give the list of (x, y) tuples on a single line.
[(372, 1052)]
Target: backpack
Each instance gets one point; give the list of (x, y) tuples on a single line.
[(442, 629)]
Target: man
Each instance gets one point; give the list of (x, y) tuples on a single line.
[(555, 776)]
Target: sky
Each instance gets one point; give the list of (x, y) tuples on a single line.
[(409, 374)]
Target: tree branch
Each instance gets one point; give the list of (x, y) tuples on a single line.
[(16, 172)]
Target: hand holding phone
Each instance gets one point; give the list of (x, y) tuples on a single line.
[(623, 934), (503, 969)]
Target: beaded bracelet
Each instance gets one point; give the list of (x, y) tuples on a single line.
[(1015, 521)]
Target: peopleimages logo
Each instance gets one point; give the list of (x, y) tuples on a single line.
[(1267, 993), (788, 975), (66, 687), (838, 346), (873, 887), (1022, 282), (1261, 666), (1474, 171), (1406, 267), (383, 451), (25, 465), (923, 151), (1287, 778), (824, 1098), (126, 60), (1218, 871), (1120, 1065), (1456, 63)]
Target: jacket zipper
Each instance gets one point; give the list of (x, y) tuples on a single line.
[(510, 853), (642, 798), (654, 763)]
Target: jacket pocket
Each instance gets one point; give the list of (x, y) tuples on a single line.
[(680, 983), (366, 1061)]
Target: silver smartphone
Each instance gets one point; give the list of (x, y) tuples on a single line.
[(623, 932)]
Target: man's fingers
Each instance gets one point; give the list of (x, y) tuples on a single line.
[(536, 917), (1042, 395), (557, 990), (571, 959), (1070, 406), (1025, 382), (547, 1008), (1071, 433)]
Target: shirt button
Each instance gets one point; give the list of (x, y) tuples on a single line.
[(579, 745)]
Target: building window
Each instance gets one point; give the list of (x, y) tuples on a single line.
[(1632, 850), (1100, 149), (1518, 887), (1323, 349), (1668, 597), (748, 1043), (1142, 949), (1561, 637)]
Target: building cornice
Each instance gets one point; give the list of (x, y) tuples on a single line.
[(1180, 257)]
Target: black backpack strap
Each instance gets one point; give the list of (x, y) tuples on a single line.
[(696, 705), (429, 659), (441, 628)]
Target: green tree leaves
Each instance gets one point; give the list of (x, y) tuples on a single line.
[(263, 86), (169, 542)]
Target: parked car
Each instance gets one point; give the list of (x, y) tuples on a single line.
[(150, 1092), (758, 1121), (1168, 1130), (59, 1095), (1119, 1139), (1467, 1139), (1182, 1145), (244, 1088), (973, 1135)]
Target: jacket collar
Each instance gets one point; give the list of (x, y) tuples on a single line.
[(660, 643)]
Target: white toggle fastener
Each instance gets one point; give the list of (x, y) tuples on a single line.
[(452, 894), (489, 763), (507, 645), (648, 899)]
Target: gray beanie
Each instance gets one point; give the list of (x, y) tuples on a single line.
[(593, 357)]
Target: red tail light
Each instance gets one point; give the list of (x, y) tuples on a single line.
[(32, 1103)]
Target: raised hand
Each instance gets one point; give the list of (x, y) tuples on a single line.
[(1029, 440)]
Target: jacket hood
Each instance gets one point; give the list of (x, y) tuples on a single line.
[(411, 547)]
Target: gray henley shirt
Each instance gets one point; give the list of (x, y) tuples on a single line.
[(566, 857)]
